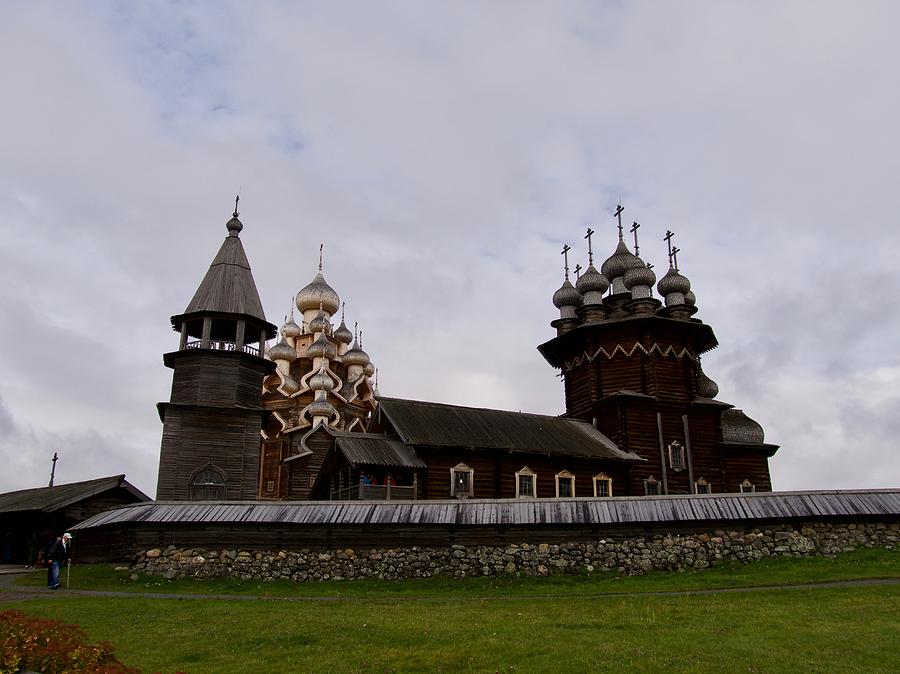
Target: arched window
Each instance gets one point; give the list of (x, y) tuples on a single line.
[(565, 484), (526, 483), (208, 484), (747, 487), (602, 485), (676, 455), (462, 481), (651, 486)]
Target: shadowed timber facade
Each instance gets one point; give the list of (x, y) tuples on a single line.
[(306, 421)]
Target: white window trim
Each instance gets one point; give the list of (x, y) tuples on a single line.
[(747, 487), (565, 475), (702, 483), (462, 468), (648, 481), (602, 477), (527, 471), (682, 463)]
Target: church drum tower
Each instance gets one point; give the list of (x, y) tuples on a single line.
[(211, 425)]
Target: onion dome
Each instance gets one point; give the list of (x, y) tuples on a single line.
[(321, 348), (673, 282), (318, 294), (591, 281), (319, 323), (639, 275), (343, 334), (321, 381), (290, 329), (690, 298), (566, 296), (706, 387), (737, 427), (320, 408), (369, 369), (234, 225), (283, 351), (617, 264), (356, 356)]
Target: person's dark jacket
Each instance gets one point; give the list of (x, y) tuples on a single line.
[(58, 552)]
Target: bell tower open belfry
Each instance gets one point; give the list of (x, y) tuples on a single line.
[(211, 424)]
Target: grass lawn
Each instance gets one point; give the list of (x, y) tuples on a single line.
[(538, 625)]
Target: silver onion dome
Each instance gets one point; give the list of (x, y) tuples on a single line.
[(291, 329), (566, 296), (318, 293), (690, 298), (673, 282), (639, 275), (321, 381), (320, 408), (234, 225), (591, 281), (283, 351), (618, 263), (321, 348), (319, 323), (356, 356), (369, 369), (343, 334)]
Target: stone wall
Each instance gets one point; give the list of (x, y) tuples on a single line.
[(626, 555)]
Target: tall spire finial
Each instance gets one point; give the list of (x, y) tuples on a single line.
[(342, 311), (321, 251), (565, 254), (668, 239), (633, 230), (355, 326), (237, 198), (590, 250), (618, 214), (360, 339)]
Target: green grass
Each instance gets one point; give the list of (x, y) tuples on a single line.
[(835, 629), (863, 563), (585, 623)]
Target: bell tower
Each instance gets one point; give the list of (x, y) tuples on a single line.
[(631, 366), (211, 425)]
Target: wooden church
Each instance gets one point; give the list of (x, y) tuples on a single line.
[(303, 419)]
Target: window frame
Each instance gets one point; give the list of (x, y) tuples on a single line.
[(602, 477), (707, 487), (677, 447), (462, 468), (570, 477), (747, 487), (525, 470), (647, 484), (207, 490)]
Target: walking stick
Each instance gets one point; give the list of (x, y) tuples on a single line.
[(68, 571)]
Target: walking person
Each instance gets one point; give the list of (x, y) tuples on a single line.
[(58, 554)]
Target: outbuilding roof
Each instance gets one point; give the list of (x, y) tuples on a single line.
[(364, 449), (439, 425), (49, 499)]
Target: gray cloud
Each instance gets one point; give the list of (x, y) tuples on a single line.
[(444, 154)]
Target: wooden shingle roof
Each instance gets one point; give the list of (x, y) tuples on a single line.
[(49, 499), (439, 425)]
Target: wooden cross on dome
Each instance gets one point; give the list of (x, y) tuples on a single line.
[(675, 251), (618, 214), (237, 198), (633, 230), (577, 271), (668, 239), (565, 254), (590, 251)]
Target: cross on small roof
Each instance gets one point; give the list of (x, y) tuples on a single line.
[(590, 251), (668, 239), (675, 251), (618, 214), (321, 251), (565, 254), (633, 230), (577, 270), (237, 198)]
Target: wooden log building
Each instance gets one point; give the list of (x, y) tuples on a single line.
[(303, 419)]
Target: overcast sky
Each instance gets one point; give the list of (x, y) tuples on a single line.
[(444, 152)]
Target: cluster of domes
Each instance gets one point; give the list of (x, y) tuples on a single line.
[(614, 291)]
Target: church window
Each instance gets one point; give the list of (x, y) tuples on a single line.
[(747, 487), (526, 483), (207, 484), (270, 485), (602, 485), (651, 486), (565, 484), (702, 486), (461, 481), (676, 455)]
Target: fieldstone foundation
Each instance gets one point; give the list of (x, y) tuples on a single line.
[(630, 556)]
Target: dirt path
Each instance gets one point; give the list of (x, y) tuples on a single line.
[(10, 592)]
